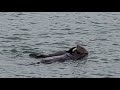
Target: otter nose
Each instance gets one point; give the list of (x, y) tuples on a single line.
[(86, 52)]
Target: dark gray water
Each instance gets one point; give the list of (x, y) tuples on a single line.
[(22, 33)]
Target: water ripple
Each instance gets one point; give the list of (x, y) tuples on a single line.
[(23, 33)]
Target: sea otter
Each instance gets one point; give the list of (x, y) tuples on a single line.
[(74, 53)]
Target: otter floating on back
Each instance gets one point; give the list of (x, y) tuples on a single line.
[(74, 53)]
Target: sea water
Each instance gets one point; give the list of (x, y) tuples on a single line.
[(22, 33)]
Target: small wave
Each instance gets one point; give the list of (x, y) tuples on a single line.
[(94, 57), (115, 44), (78, 22), (10, 19), (61, 43), (65, 29), (117, 59), (13, 50), (58, 33), (15, 38), (24, 34), (53, 29), (32, 23), (24, 29), (102, 39)]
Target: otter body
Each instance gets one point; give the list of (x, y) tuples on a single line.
[(61, 56)]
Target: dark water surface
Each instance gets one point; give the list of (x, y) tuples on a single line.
[(22, 33)]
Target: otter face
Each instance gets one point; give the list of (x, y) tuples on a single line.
[(83, 51)]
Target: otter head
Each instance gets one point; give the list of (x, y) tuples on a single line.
[(81, 50)]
